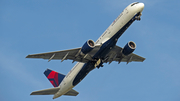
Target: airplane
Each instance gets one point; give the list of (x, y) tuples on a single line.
[(92, 54)]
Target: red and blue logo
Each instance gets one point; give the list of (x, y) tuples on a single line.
[(54, 77)]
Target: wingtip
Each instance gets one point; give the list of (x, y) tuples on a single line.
[(32, 93), (27, 56), (144, 59), (54, 97)]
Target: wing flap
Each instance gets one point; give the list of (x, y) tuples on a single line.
[(71, 54), (57, 54), (135, 58), (116, 55)]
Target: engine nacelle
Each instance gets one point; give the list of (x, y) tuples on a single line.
[(129, 48), (87, 47)]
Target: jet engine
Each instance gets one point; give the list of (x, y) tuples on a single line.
[(129, 48), (87, 47)]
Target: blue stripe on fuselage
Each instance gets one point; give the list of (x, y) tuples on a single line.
[(105, 49), (83, 72), (108, 45)]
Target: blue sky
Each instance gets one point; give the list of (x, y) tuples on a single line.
[(35, 26)]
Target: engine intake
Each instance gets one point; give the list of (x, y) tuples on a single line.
[(129, 48), (87, 47)]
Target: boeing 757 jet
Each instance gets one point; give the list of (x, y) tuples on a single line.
[(92, 54)]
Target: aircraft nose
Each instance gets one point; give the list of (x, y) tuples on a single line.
[(141, 6)]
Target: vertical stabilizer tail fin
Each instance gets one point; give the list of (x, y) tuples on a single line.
[(54, 77)]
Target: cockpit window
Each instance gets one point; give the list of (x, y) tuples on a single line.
[(134, 3)]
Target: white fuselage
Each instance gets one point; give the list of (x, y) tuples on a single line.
[(120, 22)]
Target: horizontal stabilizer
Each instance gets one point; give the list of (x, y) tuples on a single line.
[(72, 92), (50, 91)]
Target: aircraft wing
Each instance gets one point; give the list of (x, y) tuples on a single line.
[(71, 54), (52, 91), (116, 55)]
